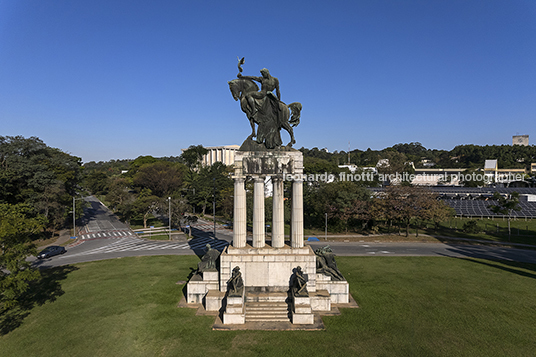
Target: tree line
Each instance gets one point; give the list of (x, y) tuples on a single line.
[(138, 189), (37, 184), (462, 156)]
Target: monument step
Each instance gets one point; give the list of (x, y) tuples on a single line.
[(266, 303), (256, 319), (266, 311), (266, 297), (266, 308)]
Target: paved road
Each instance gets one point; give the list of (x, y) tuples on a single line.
[(104, 237), (430, 249), (98, 218)]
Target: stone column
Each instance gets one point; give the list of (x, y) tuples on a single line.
[(239, 216), (296, 238), (278, 223), (258, 212)]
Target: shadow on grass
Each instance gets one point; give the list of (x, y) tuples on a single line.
[(46, 289), (513, 267), (516, 260)]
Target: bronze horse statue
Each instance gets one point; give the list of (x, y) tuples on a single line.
[(270, 114)]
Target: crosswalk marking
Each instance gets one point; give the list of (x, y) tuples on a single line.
[(131, 243), (111, 234)]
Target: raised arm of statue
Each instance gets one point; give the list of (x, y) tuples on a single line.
[(258, 79)]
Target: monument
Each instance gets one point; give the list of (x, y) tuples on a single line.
[(283, 281)]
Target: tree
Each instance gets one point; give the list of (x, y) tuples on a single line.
[(16, 228), (405, 203), (44, 178), (211, 178), (139, 162), (192, 156), (97, 182), (144, 206), (344, 201), (161, 177), (119, 196), (505, 205)]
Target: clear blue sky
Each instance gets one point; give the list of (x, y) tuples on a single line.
[(117, 79)]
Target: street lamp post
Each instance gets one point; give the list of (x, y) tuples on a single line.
[(214, 207), (74, 214), (193, 205), (326, 232), (169, 217), (74, 217)]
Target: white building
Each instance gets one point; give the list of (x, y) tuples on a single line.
[(520, 140), (224, 154)]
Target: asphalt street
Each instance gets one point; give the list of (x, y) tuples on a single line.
[(103, 236)]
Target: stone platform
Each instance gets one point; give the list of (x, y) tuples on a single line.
[(268, 268)]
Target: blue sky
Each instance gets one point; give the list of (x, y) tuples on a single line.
[(118, 79)]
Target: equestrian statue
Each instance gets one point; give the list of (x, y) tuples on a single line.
[(265, 108)]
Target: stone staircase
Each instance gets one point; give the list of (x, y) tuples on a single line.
[(266, 307)]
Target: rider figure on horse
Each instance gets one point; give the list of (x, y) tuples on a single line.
[(268, 85)]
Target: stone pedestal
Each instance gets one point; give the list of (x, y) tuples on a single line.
[(200, 285), (301, 310), (213, 300), (338, 290), (234, 310)]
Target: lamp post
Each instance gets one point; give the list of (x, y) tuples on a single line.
[(169, 217), (214, 206), (74, 214), (74, 217), (193, 205), (326, 232)]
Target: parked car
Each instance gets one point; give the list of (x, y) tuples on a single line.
[(51, 251)]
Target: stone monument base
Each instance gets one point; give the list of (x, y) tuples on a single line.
[(268, 268), (200, 284)]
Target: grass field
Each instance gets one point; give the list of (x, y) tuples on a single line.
[(409, 306)]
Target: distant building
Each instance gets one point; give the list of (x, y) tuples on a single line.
[(224, 154), (491, 169), (434, 177), (351, 167), (520, 140), (533, 168), (427, 163)]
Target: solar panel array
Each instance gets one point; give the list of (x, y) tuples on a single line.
[(479, 208), (475, 201)]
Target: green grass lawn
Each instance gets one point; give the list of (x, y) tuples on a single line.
[(409, 306)]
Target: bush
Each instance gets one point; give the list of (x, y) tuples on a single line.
[(470, 227)]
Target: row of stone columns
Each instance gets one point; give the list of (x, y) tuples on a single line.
[(278, 222)]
